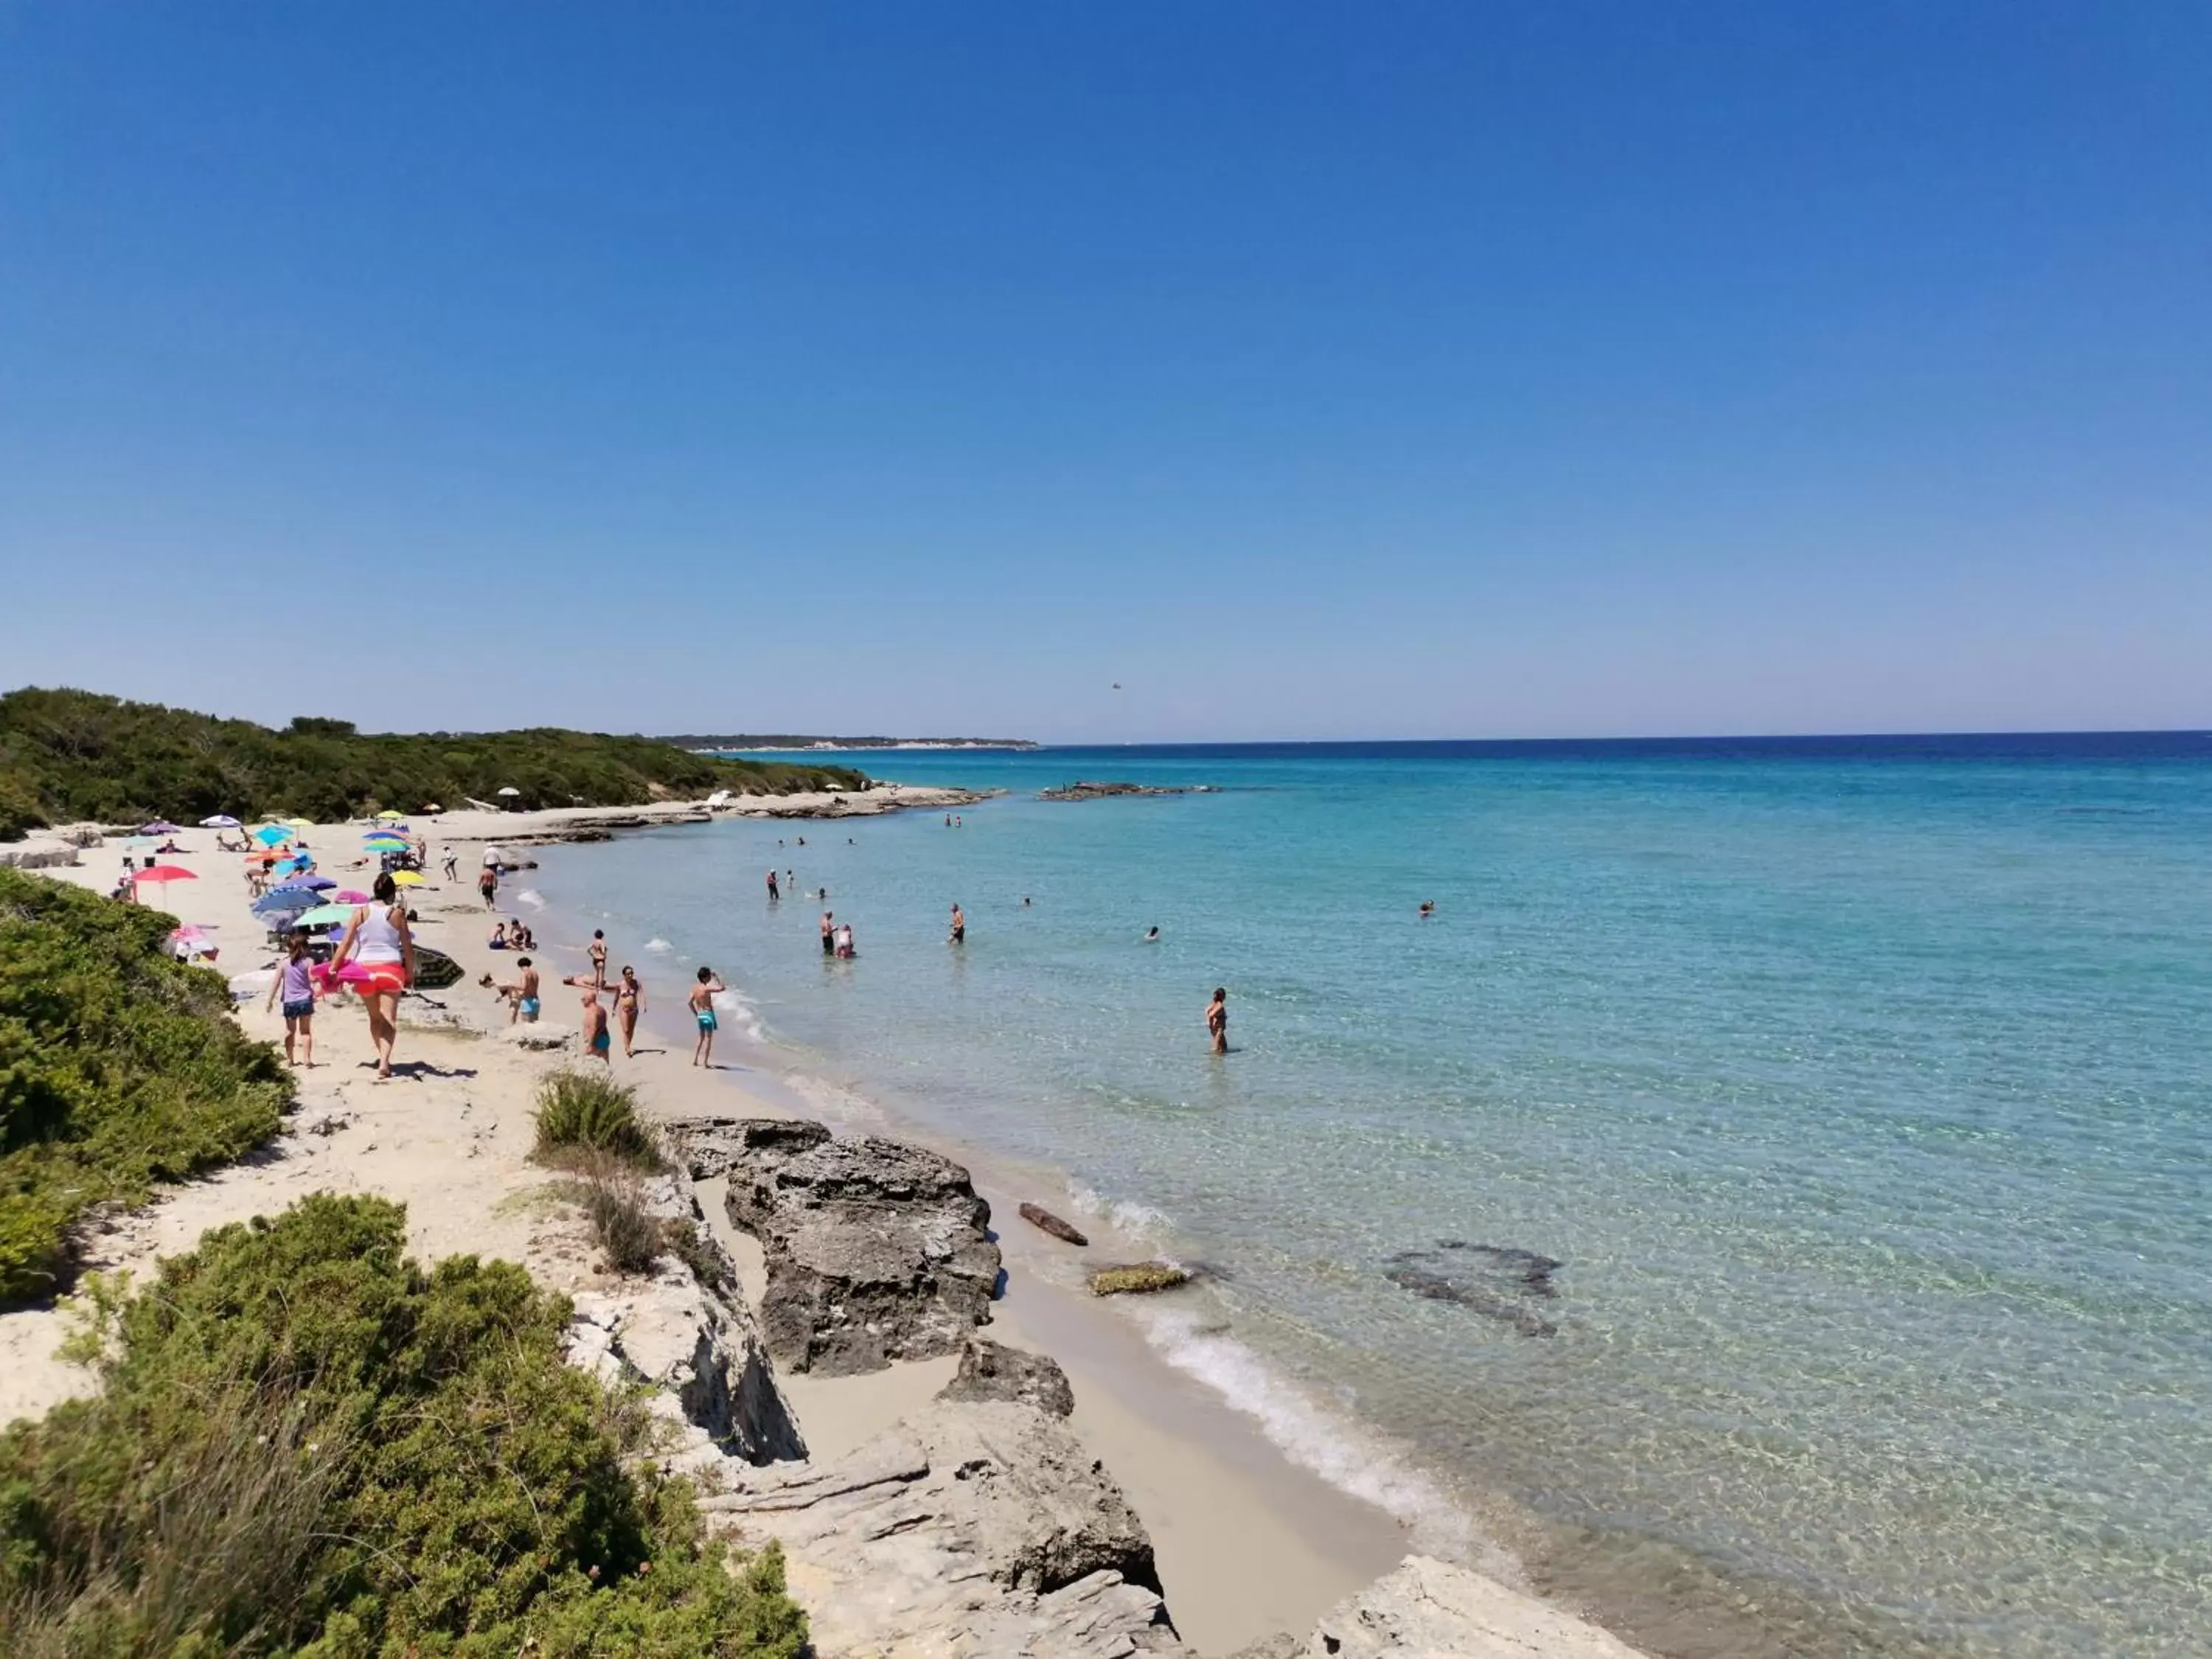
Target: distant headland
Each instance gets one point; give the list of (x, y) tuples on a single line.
[(786, 740)]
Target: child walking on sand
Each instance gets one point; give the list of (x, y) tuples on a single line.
[(702, 1009), (295, 983)]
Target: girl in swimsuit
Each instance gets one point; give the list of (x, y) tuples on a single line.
[(629, 1003), (702, 1002)]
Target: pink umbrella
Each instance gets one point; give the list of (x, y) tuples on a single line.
[(348, 896), (164, 872), (188, 932)]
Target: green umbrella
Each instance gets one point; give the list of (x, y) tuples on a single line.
[(323, 916)]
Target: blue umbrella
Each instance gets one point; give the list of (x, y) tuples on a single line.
[(269, 835), (285, 899), (316, 882)]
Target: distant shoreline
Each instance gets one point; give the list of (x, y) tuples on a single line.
[(787, 744)]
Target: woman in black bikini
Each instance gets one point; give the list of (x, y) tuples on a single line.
[(629, 1003)]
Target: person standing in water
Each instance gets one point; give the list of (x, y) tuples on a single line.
[(774, 891), (829, 934), (629, 1003), (959, 926), (600, 958), (1217, 1020), (702, 1002), (295, 983)]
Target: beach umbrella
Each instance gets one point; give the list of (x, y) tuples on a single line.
[(432, 806), (347, 896), (298, 823), (316, 882), (220, 821), (387, 816), (164, 872), (323, 915), (286, 898), (407, 877), (137, 843), (511, 793), (269, 835), (159, 827)]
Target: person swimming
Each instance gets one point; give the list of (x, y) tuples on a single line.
[(1152, 936), (1428, 908)]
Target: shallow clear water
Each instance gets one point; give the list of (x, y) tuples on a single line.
[(1862, 1091)]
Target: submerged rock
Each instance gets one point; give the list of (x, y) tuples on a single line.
[(1100, 790), (992, 1370), (1138, 1276), (875, 1250), (1497, 1281)]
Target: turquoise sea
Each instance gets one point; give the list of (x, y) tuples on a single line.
[(1861, 1088)]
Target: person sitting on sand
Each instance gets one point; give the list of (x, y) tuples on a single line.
[(1217, 1020), (629, 1003), (498, 941), (701, 1004)]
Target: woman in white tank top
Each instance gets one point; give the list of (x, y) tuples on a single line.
[(380, 952)]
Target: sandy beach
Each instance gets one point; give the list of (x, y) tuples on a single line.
[(1248, 1544)]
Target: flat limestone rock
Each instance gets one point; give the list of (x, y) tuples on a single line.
[(1138, 1276), (1431, 1610), (875, 1250), (992, 1370), (969, 1530)]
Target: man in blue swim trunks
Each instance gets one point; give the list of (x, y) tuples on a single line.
[(701, 1004), (599, 1039)]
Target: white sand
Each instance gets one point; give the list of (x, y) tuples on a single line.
[(1247, 1544)]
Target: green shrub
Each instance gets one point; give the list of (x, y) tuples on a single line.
[(587, 1112), (118, 1067), (625, 1230), (70, 755), (306, 1446)]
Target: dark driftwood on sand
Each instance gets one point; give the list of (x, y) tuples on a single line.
[(1038, 1217)]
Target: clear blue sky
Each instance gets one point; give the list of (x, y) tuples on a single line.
[(1366, 369)]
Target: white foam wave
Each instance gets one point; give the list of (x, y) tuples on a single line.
[(1140, 1223), (1347, 1457), (736, 1011), (659, 946), (531, 896)]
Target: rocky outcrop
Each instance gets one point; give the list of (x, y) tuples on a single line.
[(1138, 1278), (1428, 1608), (992, 1370), (976, 1529), (875, 1250), (1101, 791), (697, 1343)]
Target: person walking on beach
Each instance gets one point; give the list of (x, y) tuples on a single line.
[(598, 1042), (377, 943), (1217, 1020), (452, 865), (701, 1001), (828, 935), (295, 983), (629, 1003), (959, 926), (600, 958), (523, 994), (488, 884), (774, 891)]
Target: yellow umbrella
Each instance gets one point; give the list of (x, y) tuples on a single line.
[(387, 816), (407, 877), (299, 824)]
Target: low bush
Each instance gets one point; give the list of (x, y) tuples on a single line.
[(629, 1233), (306, 1446), (119, 1067), (583, 1113)]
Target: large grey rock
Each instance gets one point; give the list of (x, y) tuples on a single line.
[(875, 1250), (978, 1529), (698, 1343), (992, 1370), (1431, 1610)]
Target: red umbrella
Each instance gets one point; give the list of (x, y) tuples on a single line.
[(164, 872)]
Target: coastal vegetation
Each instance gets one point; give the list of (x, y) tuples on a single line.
[(67, 755), (306, 1444), (587, 1123), (119, 1066)]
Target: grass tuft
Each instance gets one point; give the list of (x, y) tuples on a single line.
[(584, 1114)]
